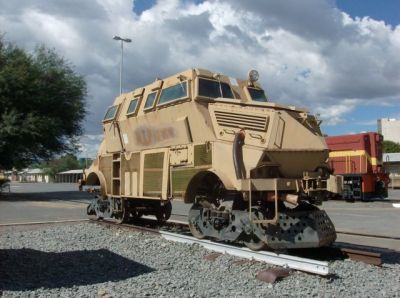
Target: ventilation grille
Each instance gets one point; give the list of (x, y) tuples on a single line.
[(251, 122)]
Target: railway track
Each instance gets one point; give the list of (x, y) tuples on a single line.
[(178, 231), (296, 262), (42, 222)]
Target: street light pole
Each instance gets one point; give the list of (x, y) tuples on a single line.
[(121, 65)]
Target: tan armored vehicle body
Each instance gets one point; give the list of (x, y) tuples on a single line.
[(248, 166)]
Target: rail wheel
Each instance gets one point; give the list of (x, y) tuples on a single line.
[(193, 222), (122, 216), (254, 243), (103, 208), (90, 210), (163, 213), (99, 215)]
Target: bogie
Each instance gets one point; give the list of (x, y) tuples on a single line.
[(124, 210)]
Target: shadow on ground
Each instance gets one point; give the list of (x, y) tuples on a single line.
[(28, 269)]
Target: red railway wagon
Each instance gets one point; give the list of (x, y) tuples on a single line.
[(358, 158)]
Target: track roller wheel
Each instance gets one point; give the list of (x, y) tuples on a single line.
[(193, 223)]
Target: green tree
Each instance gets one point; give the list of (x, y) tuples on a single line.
[(85, 163), (42, 105), (64, 163), (391, 147)]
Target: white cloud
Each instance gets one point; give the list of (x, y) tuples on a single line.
[(367, 123), (61, 34), (88, 145), (334, 114), (308, 53)]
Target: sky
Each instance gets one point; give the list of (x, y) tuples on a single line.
[(339, 59)]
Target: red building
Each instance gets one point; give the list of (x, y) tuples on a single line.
[(358, 158)]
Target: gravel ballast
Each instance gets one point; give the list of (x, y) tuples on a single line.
[(91, 260)]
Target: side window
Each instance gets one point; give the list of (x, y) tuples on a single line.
[(214, 89), (150, 100), (257, 94), (111, 112), (133, 106), (173, 93)]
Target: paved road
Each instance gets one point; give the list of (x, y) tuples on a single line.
[(378, 218), (33, 202), (30, 202), (42, 187)]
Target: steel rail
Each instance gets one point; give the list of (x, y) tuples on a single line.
[(367, 235), (297, 263), (43, 222)]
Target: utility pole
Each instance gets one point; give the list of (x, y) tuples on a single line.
[(121, 64)]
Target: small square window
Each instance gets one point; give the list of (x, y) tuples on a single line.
[(257, 94), (111, 112), (150, 100), (133, 106)]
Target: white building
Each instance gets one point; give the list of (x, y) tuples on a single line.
[(391, 163), (33, 175), (71, 176), (390, 129)]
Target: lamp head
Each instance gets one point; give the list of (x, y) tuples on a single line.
[(253, 76)]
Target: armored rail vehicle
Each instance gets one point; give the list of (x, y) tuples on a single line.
[(253, 170)]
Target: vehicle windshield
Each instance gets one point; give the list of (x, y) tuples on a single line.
[(257, 94), (214, 89)]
